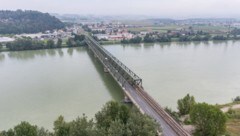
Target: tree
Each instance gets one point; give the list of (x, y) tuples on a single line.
[(43, 132), (113, 120), (69, 42), (82, 127), (237, 99), (59, 43), (115, 117), (61, 128), (185, 105), (117, 128), (10, 132), (141, 125), (50, 44), (1, 46), (109, 112), (124, 41), (208, 119), (148, 38), (184, 38), (136, 40), (25, 129), (78, 37), (219, 37)]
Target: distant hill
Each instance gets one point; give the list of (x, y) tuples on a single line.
[(28, 21)]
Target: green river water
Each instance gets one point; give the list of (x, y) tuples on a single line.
[(38, 86)]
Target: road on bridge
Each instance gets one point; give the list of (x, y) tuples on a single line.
[(132, 86)]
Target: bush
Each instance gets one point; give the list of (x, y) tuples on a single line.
[(208, 119), (237, 99), (185, 105)]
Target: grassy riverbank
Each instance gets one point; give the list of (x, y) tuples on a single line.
[(233, 122)]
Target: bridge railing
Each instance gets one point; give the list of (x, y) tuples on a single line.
[(129, 75)]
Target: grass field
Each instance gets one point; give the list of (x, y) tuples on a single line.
[(164, 29), (233, 124), (161, 29), (233, 127)]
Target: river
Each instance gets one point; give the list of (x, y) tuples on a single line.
[(38, 86)]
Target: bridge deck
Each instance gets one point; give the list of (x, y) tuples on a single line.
[(135, 92)]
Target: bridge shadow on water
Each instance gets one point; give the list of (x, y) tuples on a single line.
[(114, 89)]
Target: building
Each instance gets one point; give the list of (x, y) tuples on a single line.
[(102, 36)]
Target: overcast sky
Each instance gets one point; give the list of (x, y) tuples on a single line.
[(157, 8)]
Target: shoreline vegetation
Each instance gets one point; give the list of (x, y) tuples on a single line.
[(204, 119), (152, 38), (200, 119), (114, 118), (27, 43)]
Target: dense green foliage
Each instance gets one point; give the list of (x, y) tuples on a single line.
[(186, 104), (199, 36), (148, 38), (133, 40), (16, 22), (113, 120), (219, 37), (153, 37), (78, 40), (235, 31), (208, 119), (237, 99), (23, 129), (29, 44), (233, 114)]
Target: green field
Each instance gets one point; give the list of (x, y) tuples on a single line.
[(161, 29), (233, 124), (164, 29)]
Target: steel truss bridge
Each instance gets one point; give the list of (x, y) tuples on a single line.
[(132, 87)]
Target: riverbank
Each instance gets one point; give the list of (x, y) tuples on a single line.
[(64, 45), (119, 42)]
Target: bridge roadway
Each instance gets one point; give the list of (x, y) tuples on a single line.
[(134, 91)]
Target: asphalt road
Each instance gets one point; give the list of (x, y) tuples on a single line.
[(147, 109)]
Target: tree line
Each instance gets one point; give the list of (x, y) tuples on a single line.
[(113, 120), (151, 38), (29, 44), (28, 21), (198, 36)]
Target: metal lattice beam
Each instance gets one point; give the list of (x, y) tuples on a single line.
[(112, 63)]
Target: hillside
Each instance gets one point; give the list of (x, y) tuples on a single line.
[(16, 22)]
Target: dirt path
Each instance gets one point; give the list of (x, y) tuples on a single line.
[(225, 109)]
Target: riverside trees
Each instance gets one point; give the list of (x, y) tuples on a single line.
[(208, 120), (186, 104), (113, 120), (29, 44)]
